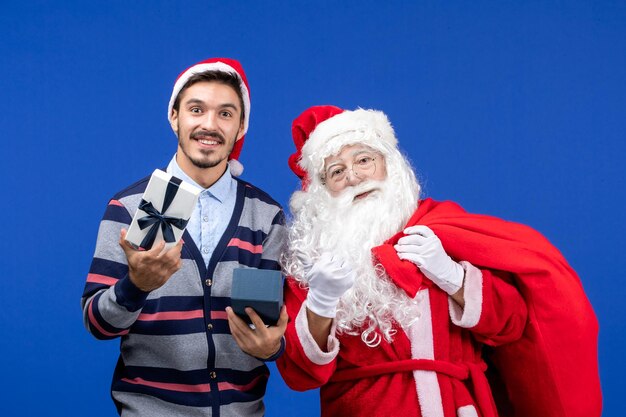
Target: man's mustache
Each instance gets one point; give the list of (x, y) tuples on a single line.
[(200, 135)]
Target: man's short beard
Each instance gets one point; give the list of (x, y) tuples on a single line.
[(349, 229), (204, 164)]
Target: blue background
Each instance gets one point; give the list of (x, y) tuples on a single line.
[(511, 108)]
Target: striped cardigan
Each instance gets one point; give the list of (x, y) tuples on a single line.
[(177, 356)]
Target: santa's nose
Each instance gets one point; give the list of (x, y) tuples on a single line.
[(352, 178)]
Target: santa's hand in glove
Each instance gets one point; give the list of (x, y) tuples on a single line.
[(422, 247), (328, 279)]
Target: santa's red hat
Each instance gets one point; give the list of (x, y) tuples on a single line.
[(321, 131), (222, 65)]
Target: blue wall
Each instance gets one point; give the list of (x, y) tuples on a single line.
[(511, 108)]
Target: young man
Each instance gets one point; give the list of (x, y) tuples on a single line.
[(171, 308), (394, 298)]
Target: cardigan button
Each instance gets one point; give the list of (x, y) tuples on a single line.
[(208, 282)]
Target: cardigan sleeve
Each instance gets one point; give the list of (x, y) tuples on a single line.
[(274, 243), (111, 302)]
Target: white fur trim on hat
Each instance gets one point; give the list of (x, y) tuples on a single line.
[(213, 66), (367, 127)]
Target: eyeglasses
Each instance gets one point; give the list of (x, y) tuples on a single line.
[(363, 166)]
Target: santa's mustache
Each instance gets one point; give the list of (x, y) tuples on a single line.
[(204, 135), (348, 196)]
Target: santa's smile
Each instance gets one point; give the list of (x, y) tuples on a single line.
[(364, 194)]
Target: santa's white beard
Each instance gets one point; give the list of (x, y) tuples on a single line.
[(348, 229)]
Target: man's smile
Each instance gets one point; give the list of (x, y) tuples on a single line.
[(208, 140)]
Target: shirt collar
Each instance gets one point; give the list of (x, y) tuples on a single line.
[(219, 190)]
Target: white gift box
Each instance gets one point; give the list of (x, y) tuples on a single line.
[(153, 222)]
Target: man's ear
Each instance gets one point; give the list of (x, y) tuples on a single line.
[(174, 121), (240, 131)]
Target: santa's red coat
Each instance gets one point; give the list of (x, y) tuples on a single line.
[(436, 367)]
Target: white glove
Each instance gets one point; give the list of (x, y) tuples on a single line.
[(328, 280), (424, 249)]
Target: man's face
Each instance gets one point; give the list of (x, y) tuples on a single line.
[(352, 166), (207, 123)]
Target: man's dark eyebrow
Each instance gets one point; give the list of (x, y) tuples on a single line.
[(230, 105), (198, 101), (224, 105), (194, 101)]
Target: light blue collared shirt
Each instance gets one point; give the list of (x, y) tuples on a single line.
[(213, 211)]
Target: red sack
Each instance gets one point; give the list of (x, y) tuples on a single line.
[(552, 371)]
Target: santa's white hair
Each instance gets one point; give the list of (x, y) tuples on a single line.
[(349, 228)]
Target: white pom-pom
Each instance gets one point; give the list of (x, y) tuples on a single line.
[(236, 168), (297, 200)]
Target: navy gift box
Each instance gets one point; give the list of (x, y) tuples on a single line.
[(261, 289)]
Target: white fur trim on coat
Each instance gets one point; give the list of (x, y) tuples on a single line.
[(467, 411), (469, 316), (423, 347), (310, 347)]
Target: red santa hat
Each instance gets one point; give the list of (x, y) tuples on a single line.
[(321, 131), (222, 65)]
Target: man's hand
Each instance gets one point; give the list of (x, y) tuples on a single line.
[(422, 247), (261, 342), (328, 280), (150, 269)]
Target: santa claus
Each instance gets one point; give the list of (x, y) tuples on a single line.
[(394, 299)]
